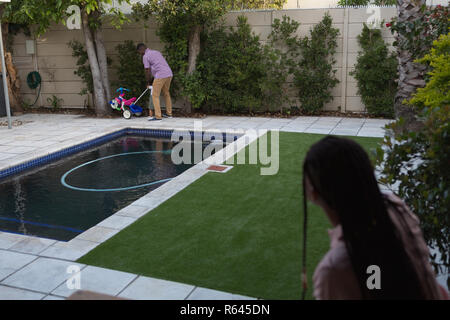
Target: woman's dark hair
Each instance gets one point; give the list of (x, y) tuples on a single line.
[(341, 173)]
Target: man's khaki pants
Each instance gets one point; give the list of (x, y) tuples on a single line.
[(162, 85)]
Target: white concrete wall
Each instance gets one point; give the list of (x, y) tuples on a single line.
[(310, 4)]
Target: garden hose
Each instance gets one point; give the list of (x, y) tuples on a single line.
[(34, 80)]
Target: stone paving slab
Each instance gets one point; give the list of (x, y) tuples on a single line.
[(42, 275), (209, 294), (145, 288), (33, 245), (72, 250), (100, 280), (9, 293), (133, 211), (52, 297), (10, 262), (97, 234), (117, 221), (7, 240)]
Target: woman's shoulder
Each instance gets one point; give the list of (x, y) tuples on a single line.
[(337, 257), (395, 206), (334, 277)]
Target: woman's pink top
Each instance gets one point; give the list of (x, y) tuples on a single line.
[(334, 277)]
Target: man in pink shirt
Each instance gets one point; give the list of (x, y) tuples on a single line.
[(155, 65)]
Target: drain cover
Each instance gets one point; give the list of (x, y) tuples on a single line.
[(219, 168)]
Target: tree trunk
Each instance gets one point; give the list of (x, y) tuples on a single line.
[(194, 51), (100, 101), (15, 99), (194, 48), (411, 75), (102, 61), (13, 81)]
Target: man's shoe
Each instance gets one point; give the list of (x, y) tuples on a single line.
[(167, 116), (154, 119)]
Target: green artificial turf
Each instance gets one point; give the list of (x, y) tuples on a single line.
[(238, 232)]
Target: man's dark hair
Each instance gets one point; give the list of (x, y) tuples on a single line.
[(141, 45)]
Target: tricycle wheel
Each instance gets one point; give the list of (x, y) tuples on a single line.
[(127, 114), (138, 114)]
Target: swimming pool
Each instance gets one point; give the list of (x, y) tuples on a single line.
[(65, 198)]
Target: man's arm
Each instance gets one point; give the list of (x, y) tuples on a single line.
[(148, 76)]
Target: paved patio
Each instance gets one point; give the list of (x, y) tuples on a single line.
[(36, 268)]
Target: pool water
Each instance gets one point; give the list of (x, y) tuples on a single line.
[(64, 199)]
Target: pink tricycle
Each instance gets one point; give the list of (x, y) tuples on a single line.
[(128, 107)]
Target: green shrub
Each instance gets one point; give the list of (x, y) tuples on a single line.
[(83, 68), (230, 71), (417, 36), (281, 52), (235, 72), (419, 161), (174, 34), (375, 73), (55, 102), (130, 71), (256, 4), (315, 76), (437, 91)]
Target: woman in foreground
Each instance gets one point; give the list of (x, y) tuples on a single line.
[(369, 229)]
